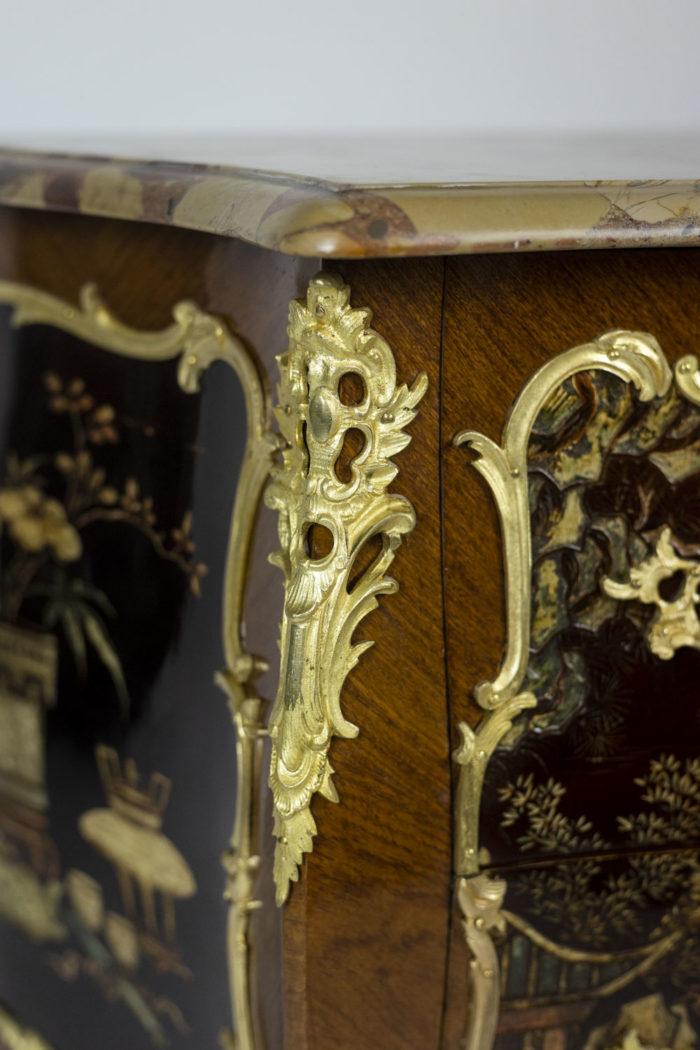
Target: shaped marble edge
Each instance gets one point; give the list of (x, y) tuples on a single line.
[(342, 217)]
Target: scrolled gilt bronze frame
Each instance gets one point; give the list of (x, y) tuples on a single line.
[(635, 358), (198, 339)]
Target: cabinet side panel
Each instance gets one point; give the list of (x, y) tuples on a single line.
[(141, 271), (366, 927)]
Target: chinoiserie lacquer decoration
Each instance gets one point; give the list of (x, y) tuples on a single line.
[(635, 358), (197, 339), (326, 597)]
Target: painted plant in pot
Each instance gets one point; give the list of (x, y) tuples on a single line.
[(52, 610)]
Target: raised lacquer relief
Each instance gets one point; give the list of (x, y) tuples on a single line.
[(579, 828)]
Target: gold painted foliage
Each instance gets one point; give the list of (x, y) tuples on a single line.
[(73, 399), (589, 902), (15, 1036), (48, 501), (37, 523), (547, 828), (672, 788)]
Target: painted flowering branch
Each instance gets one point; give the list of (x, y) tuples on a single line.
[(41, 531)]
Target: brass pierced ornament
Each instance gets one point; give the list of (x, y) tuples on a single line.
[(328, 340), (675, 623)]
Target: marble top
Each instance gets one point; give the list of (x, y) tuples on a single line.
[(363, 197)]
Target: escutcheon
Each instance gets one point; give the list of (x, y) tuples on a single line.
[(337, 385)]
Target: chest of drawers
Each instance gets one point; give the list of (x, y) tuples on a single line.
[(460, 755)]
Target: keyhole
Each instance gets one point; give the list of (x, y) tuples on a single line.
[(318, 541), (351, 389), (352, 447)]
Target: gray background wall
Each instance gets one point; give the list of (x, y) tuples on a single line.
[(135, 66)]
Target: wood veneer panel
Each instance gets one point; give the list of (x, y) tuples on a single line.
[(505, 316), (366, 928), (141, 271)]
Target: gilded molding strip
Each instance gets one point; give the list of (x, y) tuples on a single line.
[(636, 358), (211, 341), (328, 340), (199, 339), (480, 899)]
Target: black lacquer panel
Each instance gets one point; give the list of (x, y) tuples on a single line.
[(117, 756)]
